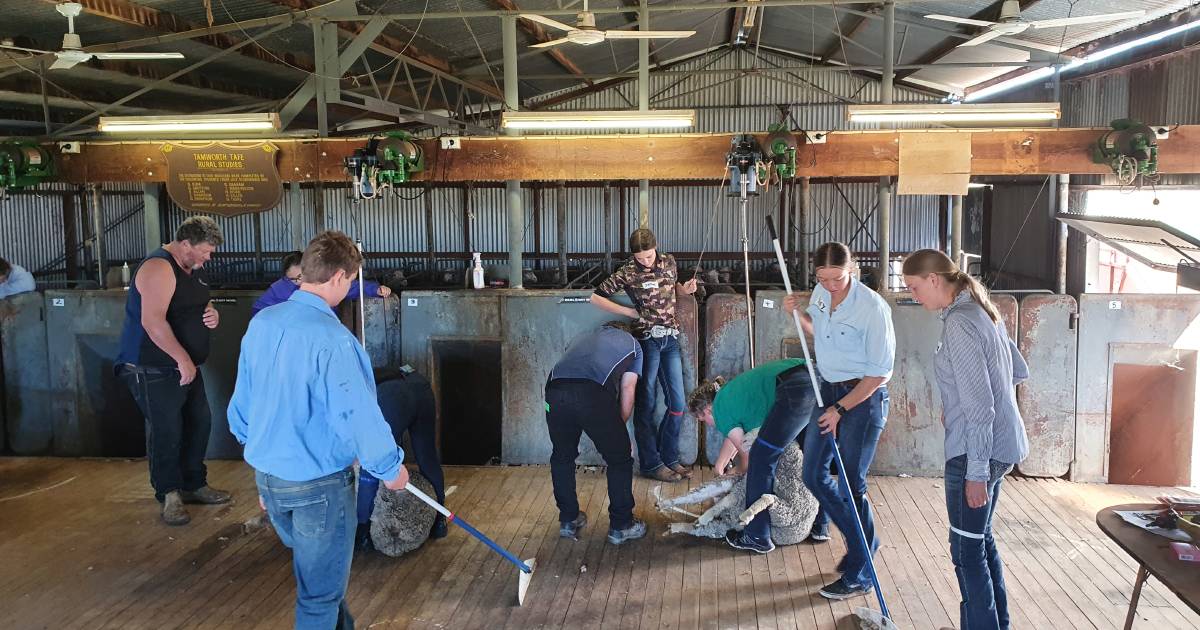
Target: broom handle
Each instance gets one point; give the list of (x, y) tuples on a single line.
[(843, 481), (467, 526)]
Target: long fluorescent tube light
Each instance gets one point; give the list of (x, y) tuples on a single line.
[(939, 112), (1043, 73), (222, 122), (673, 118)]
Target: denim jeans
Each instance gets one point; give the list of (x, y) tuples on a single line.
[(858, 435), (408, 407), (789, 415), (574, 407), (662, 365), (977, 564), (821, 522), (316, 519), (178, 422)]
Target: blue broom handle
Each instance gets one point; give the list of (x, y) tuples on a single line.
[(467, 526), (844, 483)]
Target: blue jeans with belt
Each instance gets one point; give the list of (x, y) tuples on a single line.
[(788, 416), (984, 604), (858, 436), (662, 365), (316, 519)]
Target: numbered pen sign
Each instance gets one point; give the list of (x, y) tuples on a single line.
[(227, 179)]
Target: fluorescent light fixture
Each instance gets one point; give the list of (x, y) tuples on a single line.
[(218, 122), (674, 118), (950, 113), (1043, 73), (978, 185)]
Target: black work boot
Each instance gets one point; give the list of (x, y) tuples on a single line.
[(205, 496)]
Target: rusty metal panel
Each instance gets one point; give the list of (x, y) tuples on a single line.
[(1107, 323), (537, 327), (461, 314), (1047, 400), (25, 418), (726, 351)]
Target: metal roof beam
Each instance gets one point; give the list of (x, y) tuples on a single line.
[(854, 25), (539, 35)]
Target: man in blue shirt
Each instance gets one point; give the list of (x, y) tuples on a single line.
[(14, 279), (283, 288), (304, 426)]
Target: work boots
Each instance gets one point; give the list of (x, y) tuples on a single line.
[(205, 496), (173, 512)]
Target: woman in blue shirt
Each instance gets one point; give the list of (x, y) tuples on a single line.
[(283, 288), (977, 369), (855, 348)]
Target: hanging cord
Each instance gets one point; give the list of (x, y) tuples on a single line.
[(711, 215)]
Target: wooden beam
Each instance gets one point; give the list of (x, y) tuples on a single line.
[(655, 157), (142, 16), (539, 35), (950, 44)]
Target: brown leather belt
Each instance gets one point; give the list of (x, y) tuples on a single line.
[(850, 383)]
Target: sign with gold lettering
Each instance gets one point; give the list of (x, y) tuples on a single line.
[(225, 179)]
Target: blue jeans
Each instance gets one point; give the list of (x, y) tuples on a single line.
[(662, 365), (316, 519), (977, 564), (789, 415), (858, 435), (821, 522)]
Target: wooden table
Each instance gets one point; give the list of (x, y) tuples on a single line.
[(1153, 555)]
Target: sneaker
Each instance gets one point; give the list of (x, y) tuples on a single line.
[(571, 529), (840, 590), (746, 542), (633, 532), (439, 529), (173, 512), (205, 496), (818, 538)]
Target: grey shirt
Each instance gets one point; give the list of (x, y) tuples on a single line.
[(977, 370), (599, 356)]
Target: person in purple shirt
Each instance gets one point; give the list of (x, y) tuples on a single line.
[(283, 288)]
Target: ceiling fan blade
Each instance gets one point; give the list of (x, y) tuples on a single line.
[(62, 63), (553, 42), (958, 20), (145, 55), (28, 50), (985, 37), (1028, 44), (1087, 19), (541, 19), (647, 34)]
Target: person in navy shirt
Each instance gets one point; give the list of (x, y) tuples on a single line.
[(283, 288), (303, 429)]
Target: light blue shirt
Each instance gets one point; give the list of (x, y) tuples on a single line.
[(19, 281), (855, 341), (304, 403)]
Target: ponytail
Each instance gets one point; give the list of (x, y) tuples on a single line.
[(704, 394), (930, 261)]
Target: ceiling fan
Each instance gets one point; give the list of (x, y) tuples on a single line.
[(72, 53), (1011, 23), (585, 32)]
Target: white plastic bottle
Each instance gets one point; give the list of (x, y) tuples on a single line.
[(125, 274), (476, 271)]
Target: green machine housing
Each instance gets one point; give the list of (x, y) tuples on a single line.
[(23, 163)]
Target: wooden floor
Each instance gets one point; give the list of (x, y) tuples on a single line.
[(81, 547)]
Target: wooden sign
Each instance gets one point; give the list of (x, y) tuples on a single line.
[(224, 179)]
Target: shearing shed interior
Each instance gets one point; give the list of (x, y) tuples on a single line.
[(805, 314)]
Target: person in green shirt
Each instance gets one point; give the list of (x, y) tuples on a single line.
[(775, 398)]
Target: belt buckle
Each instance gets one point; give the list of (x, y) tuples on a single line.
[(658, 332)]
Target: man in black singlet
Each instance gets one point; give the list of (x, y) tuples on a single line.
[(165, 339)]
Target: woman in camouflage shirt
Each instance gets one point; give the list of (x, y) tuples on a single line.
[(650, 280)]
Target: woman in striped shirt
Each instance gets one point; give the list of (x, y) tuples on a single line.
[(977, 368)]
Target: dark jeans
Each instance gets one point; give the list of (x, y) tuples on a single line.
[(177, 427), (420, 421), (574, 407), (821, 522), (789, 415), (316, 520), (858, 435), (662, 366), (977, 564)]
